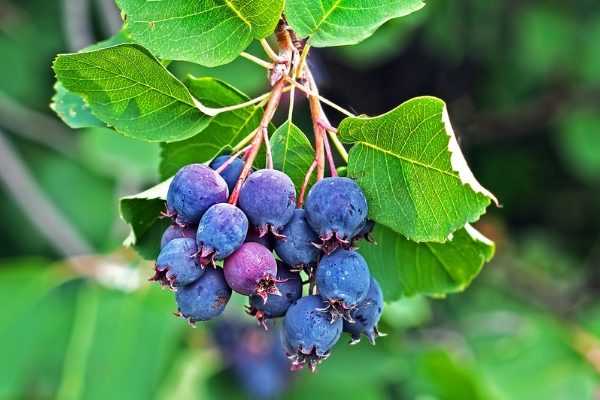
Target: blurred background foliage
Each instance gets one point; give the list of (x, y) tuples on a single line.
[(522, 80)]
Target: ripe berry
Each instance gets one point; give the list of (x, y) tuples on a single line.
[(336, 208), (297, 248), (366, 315), (175, 231), (205, 298), (268, 198), (343, 280), (232, 172), (309, 333), (176, 264), (221, 231), (290, 286), (193, 190), (252, 270)]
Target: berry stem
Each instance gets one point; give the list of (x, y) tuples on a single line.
[(338, 144), (315, 112), (332, 168), (231, 159), (309, 173), (216, 111), (257, 60), (258, 138), (269, 156)]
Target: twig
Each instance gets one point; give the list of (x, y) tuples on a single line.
[(269, 50), (307, 177), (314, 93), (216, 111), (231, 159), (332, 169), (257, 60), (258, 138), (41, 212), (110, 17), (35, 126), (77, 24)]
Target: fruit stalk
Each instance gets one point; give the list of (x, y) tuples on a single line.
[(316, 112)]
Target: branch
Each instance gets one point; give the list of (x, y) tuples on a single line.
[(48, 220), (77, 24)]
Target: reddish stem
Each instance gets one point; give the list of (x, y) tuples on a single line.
[(231, 159), (258, 138), (332, 169), (315, 112), (305, 184)]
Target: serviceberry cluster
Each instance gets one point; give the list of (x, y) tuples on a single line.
[(261, 246)]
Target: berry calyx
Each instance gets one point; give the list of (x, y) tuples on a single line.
[(193, 190), (366, 316), (290, 286), (221, 231), (176, 264), (252, 270)]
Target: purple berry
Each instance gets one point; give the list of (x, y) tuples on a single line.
[(176, 264), (343, 281), (193, 190), (309, 333), (232, 172), (366, 315), (177, 232), (290, 286), (252, 270), (268, 198), (297, 248), (221, 231), (205, 298), (336, 208)]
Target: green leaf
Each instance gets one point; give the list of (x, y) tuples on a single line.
[(71, 108), (412, 171), (405, 268), (224, 130), (207, 32), (292, 152), (143, 214), (344, 22), (129, 89)]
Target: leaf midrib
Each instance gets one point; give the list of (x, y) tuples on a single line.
[(135, 81), (409, 160), (325, 16)]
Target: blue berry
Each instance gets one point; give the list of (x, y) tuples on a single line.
[(343, 281), (193, 190), (336, 208), (205, 298), (176, 264), (221, 231), (175, 231), (290, 286), (309, 333), (297, 248), (232, 172), (366, 315), (252, 269), (268, 198)]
